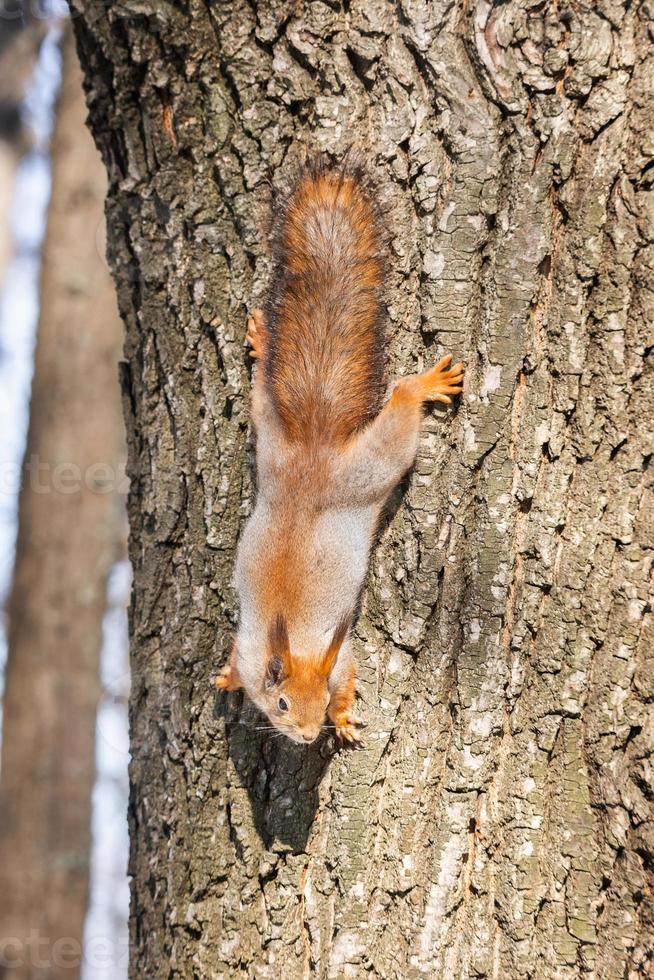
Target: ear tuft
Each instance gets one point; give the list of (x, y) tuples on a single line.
[(337, 640), (278, 666), (278, 637)]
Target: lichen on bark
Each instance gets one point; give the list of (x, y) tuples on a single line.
[(498, 822)]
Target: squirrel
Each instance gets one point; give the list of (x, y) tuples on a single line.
[(327, 454)]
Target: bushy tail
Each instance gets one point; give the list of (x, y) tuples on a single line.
[(325, 363)]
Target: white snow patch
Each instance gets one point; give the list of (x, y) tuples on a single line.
[(434, 263), (491, 380), (474, 630), (481, 725), (105, 929), (575, 347), (471, 761), (347, 948), (357, 890), (541, 434), (469, 438), (442, 224), (435, 908)]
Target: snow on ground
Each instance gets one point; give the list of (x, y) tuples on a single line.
[(105, 935)]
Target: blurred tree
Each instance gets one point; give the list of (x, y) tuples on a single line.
[(498, 822), (70, 526), (20, 36)]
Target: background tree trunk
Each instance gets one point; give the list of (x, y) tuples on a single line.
[(21, 34), (498, 822), (69, 534)]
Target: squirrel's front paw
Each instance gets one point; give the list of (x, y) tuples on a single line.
[(442, 381), (228, 679), (347, 727), (256, 334)]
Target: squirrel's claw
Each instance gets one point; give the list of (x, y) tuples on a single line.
[(347, 728), (442, 381), (228, 679), (255, 335)]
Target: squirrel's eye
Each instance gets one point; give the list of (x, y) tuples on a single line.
[(283, 704)]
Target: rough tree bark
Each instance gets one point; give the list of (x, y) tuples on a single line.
[(498, 822), (70, 528)]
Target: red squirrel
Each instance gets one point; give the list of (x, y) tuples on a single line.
[(327, 456)]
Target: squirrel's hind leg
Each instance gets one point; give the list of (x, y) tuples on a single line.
[(271, 444)]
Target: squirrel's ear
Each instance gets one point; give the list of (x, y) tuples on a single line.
[(274, 672), (278, 665), (330, 655)]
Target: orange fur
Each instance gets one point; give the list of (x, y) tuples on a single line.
[(305, 677), (280, 579), (304, 674), (327, 456), (300, 682), (229, 678), (342, 700), (340, 709), (326, 356)]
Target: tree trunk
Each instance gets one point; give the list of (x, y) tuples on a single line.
[(498, 821), (69, 531), (21, 34)]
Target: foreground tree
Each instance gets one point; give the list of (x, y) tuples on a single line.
[(70, 528), (498, 821)]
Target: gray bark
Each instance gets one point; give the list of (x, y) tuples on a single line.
[(498, 822)]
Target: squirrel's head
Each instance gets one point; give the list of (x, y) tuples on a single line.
[(295, 690)]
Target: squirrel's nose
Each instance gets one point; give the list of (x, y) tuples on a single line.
[(310, 737)]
